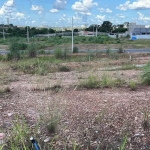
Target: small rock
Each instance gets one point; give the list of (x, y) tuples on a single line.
[(136, 118), (96, 131), (47, 140), (10, 114)]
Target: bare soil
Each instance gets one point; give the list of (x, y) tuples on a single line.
[(90, 118)]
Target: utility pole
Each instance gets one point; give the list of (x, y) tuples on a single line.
[(96, 30), (72, 34), (3, 34), (28, 40)]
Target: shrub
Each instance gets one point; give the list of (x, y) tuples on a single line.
[(22, 46), (106, 81), (120, 50), (32, 52), (75, 49), (14, 53), (52, 125), (146, 74), (58, 53), (91, 82), (41, 52), (65, 52), (132, 85), (64, 69)]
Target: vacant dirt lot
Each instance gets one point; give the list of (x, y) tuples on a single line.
[(90, 118)]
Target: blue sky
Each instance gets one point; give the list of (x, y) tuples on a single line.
[(58, 13)]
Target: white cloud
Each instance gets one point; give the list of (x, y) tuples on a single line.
[(2, 10), (86, 13), (120, 15), (141, 17), (107, 10), (100, 18), (40, 12), (84, 6), (59, 4), (6, 7), (138, 4), (37, 8), (33, 22), (9, 3), (147, 26), (20, 15), (64, 15), (54, 10)]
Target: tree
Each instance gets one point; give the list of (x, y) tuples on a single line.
[(107, 26), (75, 30)]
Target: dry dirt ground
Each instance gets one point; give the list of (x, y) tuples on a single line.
[(90, 118)]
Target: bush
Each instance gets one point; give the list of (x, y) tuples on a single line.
[(65, 52), (22, 46), (58, 53), (41, 52), (91, 82), (75, 49), (132, 85), (14, 53), (106, 81), (120, 50), (64, 69), (146, 74), (32, 52)]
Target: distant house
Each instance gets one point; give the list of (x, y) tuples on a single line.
[(86, 33)]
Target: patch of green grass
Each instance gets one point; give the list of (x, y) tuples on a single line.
[(132, 85), (14, 53), (32, 50), (106, 81), (123, 143), (146, 74), (91, 82), (146, 121)]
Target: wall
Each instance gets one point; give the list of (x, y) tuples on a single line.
[(140, 37)]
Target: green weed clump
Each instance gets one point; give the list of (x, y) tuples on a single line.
[(75, 50), (120, 50), (106, 81), (32, 50), (58, 53), (14, 53), (132, 85), (90, 82), (146, 74), (64, 69), (33, 66), (146, 121)]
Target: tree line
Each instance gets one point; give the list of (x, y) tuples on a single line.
[(106, 26)]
